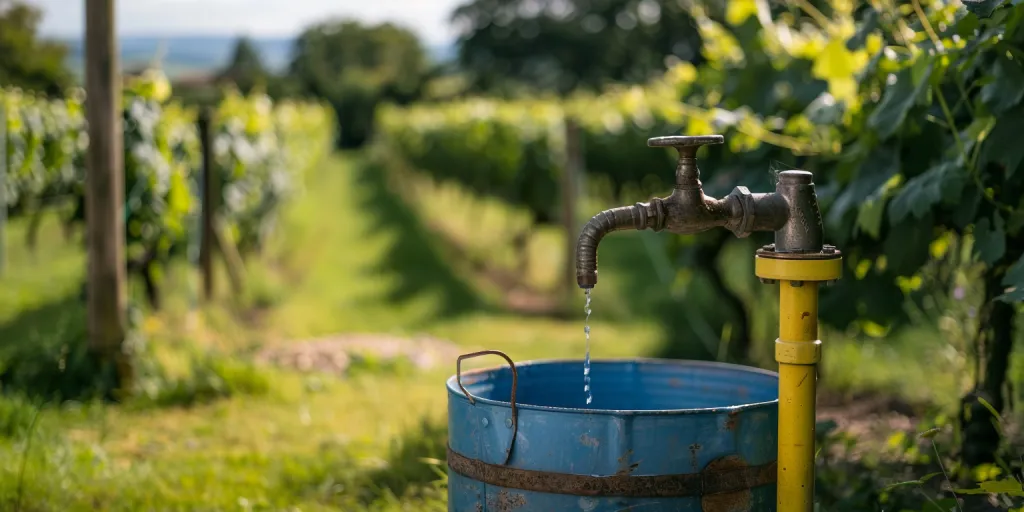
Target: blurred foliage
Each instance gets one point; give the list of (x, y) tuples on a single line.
[(29, 62), (354, 67), (565, 45), (260, 150), (509, 151), (46, 144), (245, 69), (904, 113), (209, 377)]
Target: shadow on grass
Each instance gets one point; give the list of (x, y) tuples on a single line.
[(44, 354), (414, 256), (410, 472)]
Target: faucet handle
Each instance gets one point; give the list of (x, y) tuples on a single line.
[(687, 174), (687, 145)]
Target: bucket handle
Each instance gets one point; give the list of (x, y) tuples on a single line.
[(515, 383)]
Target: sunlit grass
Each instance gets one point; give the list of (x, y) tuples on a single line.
[(333, 268), (348, 257)]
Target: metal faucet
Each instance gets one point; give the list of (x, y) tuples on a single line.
[(791, 211), (797, 262)]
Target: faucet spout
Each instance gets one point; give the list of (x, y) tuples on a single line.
[(791, 211), (639, 216)]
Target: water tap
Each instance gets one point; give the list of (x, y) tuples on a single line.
[(791, 211)]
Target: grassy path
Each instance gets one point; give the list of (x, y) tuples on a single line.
[(350, 258)]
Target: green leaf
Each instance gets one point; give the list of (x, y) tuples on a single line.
[(869, 217), (824, 110), (907, 246), (878, 168), (1005, 91), (967, 24), (982, 8), (942, 183), (1015, 222), (924, 479), (990, 239), (976, 132), (868, 24), (1003, 146), (1016, 294), (739, 10), (1014, 283), (1015, 274), (967, 206), (1007, 486), (898, 99)]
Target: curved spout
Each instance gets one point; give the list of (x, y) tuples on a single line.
[(639, 216), (791, 211), (684, 212)]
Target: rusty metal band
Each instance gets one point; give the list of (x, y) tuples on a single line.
[(707, 482)]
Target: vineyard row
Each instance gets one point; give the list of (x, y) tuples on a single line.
[(259, 150)]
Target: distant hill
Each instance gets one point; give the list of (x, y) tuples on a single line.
[(199, 55)]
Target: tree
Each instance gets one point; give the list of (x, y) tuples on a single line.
[(29, 62), (567, 44), (246, 69), (355, 67)]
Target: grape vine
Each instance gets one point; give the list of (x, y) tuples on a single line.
[(259, 148)]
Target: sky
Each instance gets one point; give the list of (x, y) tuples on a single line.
[(428, 18)]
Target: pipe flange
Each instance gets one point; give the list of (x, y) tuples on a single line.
[(827, 252), (813, 267), (640, 224), (658, 209), (746, 202)]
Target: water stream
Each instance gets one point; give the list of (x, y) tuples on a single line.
[(586, 360)]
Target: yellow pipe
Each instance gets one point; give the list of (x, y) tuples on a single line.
[(798, 351)]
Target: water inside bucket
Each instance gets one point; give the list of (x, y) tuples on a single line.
[(629, 385)]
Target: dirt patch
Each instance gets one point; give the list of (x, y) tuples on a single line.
[(871, 418), (334, 354)]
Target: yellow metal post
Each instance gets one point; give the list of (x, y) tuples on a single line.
[(798, 351)]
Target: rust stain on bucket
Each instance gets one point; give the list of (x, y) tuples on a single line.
[(694, 449), (625, 467), (506, 501), (739, 501), (732, 421)]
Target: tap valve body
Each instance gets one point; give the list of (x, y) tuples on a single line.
[(791, 211)]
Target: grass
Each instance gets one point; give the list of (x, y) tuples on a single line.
[(219, 433), (350, 258)]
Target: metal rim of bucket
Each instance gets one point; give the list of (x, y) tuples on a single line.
[(454, 387)]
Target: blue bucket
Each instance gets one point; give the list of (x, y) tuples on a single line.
[(659, 436)]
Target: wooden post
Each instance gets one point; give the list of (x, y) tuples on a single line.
[(104, 189), (232, 259), (570, 172), (3, 187), (209, 204)]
